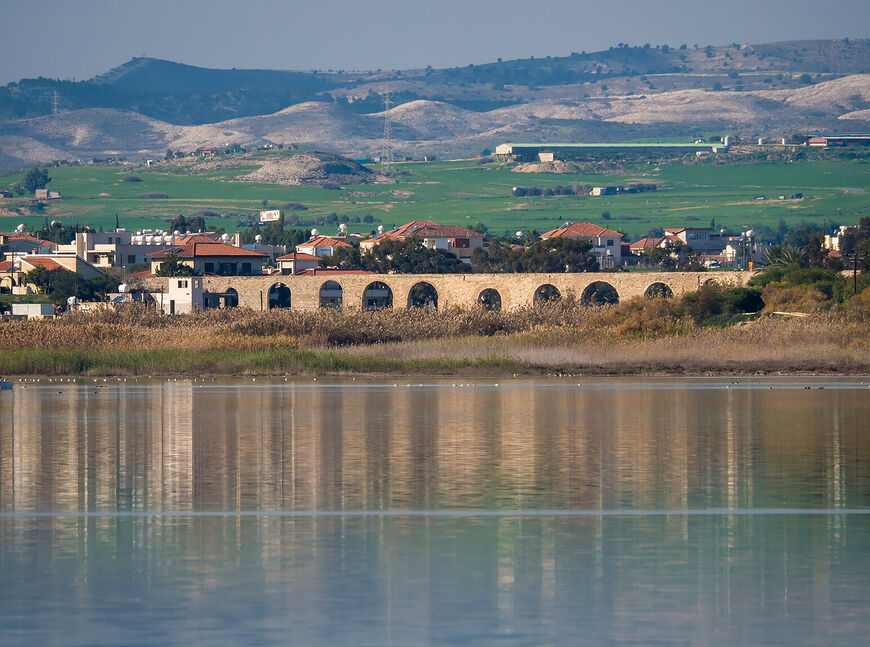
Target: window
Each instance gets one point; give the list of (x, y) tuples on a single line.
[(209, 268), (182, 284), (131, 259), (610, 242), (246, 268)]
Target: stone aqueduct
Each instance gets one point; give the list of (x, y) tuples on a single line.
[(464, 290)]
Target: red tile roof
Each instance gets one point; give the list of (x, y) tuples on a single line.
[(298, 256), (647, 243), (205, 248), (580, 230), (6, 266), (144, 274), (331, 270), (32, 239), (185, 239), (427, 229), (324, 241), (47, 263)]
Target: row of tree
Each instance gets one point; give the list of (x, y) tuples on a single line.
[(409, 256)]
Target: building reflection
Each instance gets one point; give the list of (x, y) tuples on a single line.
[(182, 447)]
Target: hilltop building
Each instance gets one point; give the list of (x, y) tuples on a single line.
[(533, 151), (824, 141)]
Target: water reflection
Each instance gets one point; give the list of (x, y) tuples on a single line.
[(631, 444), (232, 447)]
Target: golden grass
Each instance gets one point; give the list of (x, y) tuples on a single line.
[(635, 336)]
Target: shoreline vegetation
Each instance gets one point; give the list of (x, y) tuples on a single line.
[(704, 333)]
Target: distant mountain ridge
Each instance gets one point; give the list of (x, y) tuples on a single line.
[(188, 95), (145, 106)]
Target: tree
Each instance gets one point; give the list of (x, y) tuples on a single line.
[(785, 256), (187, 224), (557, 255), (552, 255), (36, 178), (171, 266), (407, 256), (667, 257)]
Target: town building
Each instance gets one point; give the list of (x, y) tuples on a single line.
[(320, 246), (606, 243), (119, 248), (824, 141), (183, 295), (455, 239), (13, 271), (296, 262), (212, 258), (20, 243)]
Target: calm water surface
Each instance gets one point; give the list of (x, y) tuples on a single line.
[(616, 511)]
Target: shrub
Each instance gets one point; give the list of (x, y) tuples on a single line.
[(153, 196), (716, 305), (132, 178), (793, 299)]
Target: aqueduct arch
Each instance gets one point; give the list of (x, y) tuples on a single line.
[(658, 290), (599, 293), (490, 299), (423, 295), (279, 296), (546, 292)]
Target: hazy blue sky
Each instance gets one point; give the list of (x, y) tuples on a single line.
[(80, 38)]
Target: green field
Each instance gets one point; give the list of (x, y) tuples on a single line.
[(463, 192)]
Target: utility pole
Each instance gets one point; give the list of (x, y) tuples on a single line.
[(387, 144), (55, 103)]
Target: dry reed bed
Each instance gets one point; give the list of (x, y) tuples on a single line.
[(638, 335), (768, 345)]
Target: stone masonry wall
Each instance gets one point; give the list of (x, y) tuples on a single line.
[(515, 290)]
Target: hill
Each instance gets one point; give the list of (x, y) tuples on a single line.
[(432, 127), (188, 95), (145, 106)]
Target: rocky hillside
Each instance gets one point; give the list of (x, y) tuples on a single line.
[(310, 169)]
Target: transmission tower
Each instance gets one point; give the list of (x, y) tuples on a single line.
[(387, 144), (55, 101)]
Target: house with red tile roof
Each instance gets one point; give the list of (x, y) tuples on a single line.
[(13, 272), (296, 262), (605, 242), (210, 257), (643, 245), (320, 246), (20, 243), (452, 238)]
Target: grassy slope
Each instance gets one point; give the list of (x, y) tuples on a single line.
[(464, 193)]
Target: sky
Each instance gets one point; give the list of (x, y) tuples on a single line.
[(77, 39)]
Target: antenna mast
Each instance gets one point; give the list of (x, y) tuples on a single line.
[(55, 101), (387, 145)]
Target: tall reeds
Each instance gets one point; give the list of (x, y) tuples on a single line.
[(637, 335)]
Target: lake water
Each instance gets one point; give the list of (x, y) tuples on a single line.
[(388, 512)]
